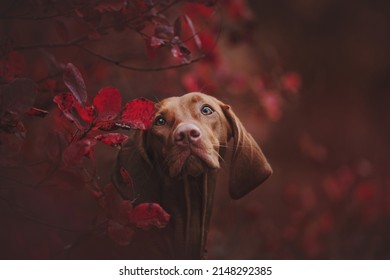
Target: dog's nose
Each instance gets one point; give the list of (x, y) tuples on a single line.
[(187, 134)]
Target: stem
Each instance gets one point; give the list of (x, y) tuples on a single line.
[(133, 68)]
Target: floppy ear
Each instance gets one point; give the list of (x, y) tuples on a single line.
[(133, 170), (249, 167)]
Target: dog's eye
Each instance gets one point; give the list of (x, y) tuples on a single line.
[(207, 110), (160, 121)]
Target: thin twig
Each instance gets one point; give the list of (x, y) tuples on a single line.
[(52, 45), (133, 68), (85, 37)]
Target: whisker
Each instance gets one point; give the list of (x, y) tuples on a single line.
[(219, 156), (231, 146)]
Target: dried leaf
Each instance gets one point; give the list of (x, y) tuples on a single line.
[(138, 114), (147, 215), (75, 83)]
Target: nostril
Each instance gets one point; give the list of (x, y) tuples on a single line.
[(180, 136), (194, 133)]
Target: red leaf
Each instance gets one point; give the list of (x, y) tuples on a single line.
[(64, 101), (37, 112), (147, 215), (291, 82), (365, 192), (208, 43), (75, 83), (74, 153), (127, 180), (112, 139), (107, 103), (272, 104), (195, 34), (86, 113), (108, 126), (139, 113), (73, 111), (119, 233)]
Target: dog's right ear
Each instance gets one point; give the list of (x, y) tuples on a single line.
[(137, 184), (249, 167)]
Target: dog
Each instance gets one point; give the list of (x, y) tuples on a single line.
[(175, 163)]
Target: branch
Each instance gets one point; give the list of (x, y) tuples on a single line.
[(141, 69), (53, 45), (85, 37)]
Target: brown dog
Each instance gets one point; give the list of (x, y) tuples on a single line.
[(175, 163)]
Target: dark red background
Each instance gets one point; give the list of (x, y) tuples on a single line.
[(328, 142)]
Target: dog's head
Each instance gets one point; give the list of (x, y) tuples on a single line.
[(188, 133), (189, 136)]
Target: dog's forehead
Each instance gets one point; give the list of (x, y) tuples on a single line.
[(187, 100)]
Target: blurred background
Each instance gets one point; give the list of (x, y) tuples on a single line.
[(309, 79)]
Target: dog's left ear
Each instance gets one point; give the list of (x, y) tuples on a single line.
[(249, 167)]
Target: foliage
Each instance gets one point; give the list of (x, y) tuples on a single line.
[(59, 131)]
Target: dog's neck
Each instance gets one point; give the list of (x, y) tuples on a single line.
[(189, 202)]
